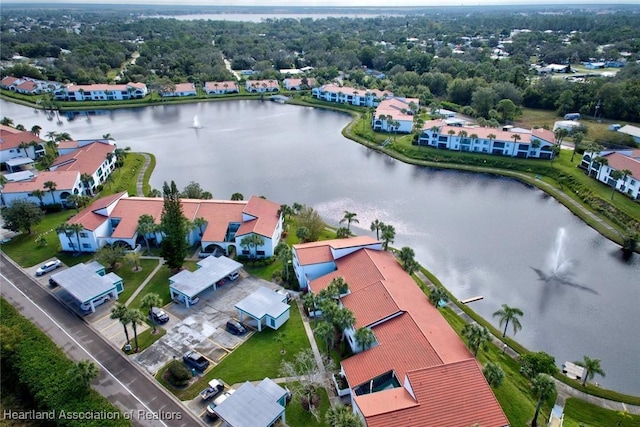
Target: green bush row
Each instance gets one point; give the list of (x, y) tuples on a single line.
[(37, 369)]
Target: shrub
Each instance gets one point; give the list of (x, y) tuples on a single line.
[(53, 207), (178, 374)]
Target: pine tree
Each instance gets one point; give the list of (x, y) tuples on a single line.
[(174, 227)]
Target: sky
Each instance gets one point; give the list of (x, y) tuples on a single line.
[(334, 3)]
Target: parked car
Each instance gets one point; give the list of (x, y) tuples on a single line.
[(52, 282), (192, 301), (218, 400), (96, 302), (233, 276), (48, 267), (159, 315), (214, 389), (195, 360), (236, 328)]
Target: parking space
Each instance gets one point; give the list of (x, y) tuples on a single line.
[(202, 327)]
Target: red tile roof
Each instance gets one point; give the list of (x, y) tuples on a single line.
[(450, 395), (185, 87), (28, 86), (621, 162), (266, 217), (86, 159), (65, 180), (5, 128), (88, 217), (231, 85), (10, 139), (219, 215), (484, 132), (9, 80), (365, 312), (319, 252)]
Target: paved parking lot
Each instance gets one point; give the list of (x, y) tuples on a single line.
[(202, 327)]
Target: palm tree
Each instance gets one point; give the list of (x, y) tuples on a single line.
[(6, 121), (376, 226), (342, 416), (132, 259), (286, 211), (543, 387), (76, 229), (119, 312), (51, 186), (199, 223), (84, 371), (436, 295), (577, 139), (108, 137), (146, 226), (592, 367), (349, 217), (406, 255), (237, 196), (39, 194), (343, 319), (477, 336), (509, 314), (284, 253), (24, 146), (601, 161), (516, 137), (147, 303), (64, 229), (86, 180), (135, 317), (364, 338), (388, 234), (493, 374), (325, 331), (615, 176)]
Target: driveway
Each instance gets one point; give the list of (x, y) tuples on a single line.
[(202, 326)]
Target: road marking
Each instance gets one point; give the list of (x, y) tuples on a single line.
[(80, 346)]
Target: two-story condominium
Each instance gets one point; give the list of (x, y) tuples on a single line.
[(20, 146), (628, 165), (349, 95), (262, 86), (101, 92), (27, 85), (96, 159), (395, 114), (299, 84), (417, 372), (65, 184), (534, 143), (220, 88), (114, 219), (181, 89)]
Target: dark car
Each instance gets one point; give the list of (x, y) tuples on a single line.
[(52, 282), (159, 315), (235, 328), (195, 360)]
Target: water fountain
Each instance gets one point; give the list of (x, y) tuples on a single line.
[(196, 122), (559, 264)]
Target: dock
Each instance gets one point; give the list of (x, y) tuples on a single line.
[(468, 300), (280, 99)]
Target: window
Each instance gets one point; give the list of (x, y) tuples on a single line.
[(260, 253), (86, 245), (83, 235), (272, 322)]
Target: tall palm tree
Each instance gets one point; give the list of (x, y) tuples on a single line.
[(325, 331), (51, 186), (365, 338), (577, 139), (615, 175), (406, 255), (86, 180), (343, 319), (543, 387), (147, 303), (135, 317), (349, 217), (200, 223), (387, 235), (23, 146), (509, 314), (592, 367), (376, 226), (64, 229), (493, 374), (146, 226), (477, 337), (76, 229), (119, 312), (84, 371), (39, 194), (516, 137)]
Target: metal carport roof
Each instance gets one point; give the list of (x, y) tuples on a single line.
[(263, 301), (212, 269), (253, 406), (83, 283)]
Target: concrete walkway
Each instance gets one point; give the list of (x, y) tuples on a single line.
[(143, 169), (565, 391), (147, 280)]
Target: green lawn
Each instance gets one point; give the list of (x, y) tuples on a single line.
[(159, 284), (133, 279), (298, 417), (257, 358), (146, 338), (579, 413)]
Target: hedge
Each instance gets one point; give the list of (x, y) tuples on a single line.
[(36, 368)]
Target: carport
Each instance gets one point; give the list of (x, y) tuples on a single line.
[(187, 284), (87, 282), (251, 405), (266, 307), (14, 163)]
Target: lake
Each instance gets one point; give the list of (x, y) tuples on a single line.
[(481, 235)]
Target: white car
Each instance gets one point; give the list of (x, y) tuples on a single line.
[(48, 267), (98, 301)]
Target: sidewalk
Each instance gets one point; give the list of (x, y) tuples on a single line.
[(565, 391), (143, 169)]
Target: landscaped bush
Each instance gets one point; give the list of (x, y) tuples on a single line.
[(53, 207), (178, 374)]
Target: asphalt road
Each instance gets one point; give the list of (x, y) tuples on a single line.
[(139, 396)]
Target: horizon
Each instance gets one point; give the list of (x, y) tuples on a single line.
[(332, 3)]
